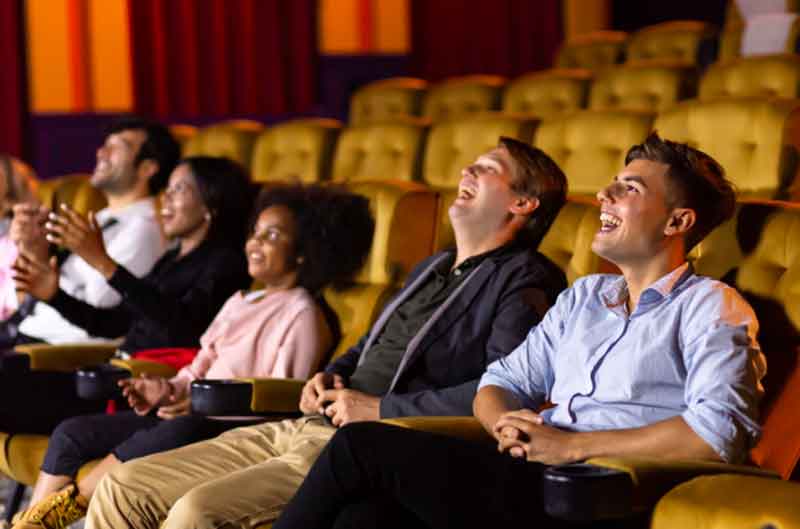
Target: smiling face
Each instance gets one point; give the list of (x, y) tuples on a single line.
[(183, 212), (271, 249), (485, 199), (634, 214), (115, 170)]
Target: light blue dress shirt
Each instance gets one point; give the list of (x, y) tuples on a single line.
[(689, 348)]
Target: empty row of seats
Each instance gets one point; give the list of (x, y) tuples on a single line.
[(646, 86), (756, 140)]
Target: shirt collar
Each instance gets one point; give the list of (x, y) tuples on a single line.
[(616, 293), (141, 208)]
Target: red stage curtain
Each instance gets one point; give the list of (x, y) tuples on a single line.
[(195, 58), (504, 37), (13, 86)]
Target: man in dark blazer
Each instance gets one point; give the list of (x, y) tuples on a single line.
[(460, 310)]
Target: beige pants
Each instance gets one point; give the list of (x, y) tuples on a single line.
[(240, 479)]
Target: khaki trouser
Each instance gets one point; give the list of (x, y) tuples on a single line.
[(240, 479)]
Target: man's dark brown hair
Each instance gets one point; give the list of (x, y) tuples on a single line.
[(534, 174), (694, 181)]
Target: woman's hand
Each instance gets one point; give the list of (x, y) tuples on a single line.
[(81, 236), (37, 278), (27, 228), (145, 393), (176, 409)]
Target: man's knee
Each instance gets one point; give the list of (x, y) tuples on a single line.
[(192, 511)]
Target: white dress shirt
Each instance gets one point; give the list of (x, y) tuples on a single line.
[(134, 241)]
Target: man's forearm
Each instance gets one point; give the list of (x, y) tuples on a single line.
[(668, 439), (490, 403)]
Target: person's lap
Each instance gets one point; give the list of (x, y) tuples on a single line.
[(244, 474)]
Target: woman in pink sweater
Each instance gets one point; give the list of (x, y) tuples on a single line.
[(303, 239)]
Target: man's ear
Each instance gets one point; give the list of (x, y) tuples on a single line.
[(524, 205), (147, 168), (680, 221)]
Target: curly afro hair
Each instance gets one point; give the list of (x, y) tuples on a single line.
[(334, 231)]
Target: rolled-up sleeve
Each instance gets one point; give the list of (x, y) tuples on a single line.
[(724, 368), (527, 372)]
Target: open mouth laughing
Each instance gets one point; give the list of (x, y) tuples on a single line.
[(609, 222)]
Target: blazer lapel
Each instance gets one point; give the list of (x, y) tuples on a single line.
[(442, 322)]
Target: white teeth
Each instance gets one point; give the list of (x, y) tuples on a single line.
[(608, 219), (465, 193)]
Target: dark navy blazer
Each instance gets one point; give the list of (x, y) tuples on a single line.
[(486, 317)]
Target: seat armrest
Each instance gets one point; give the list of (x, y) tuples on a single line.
[(467, 428), (275, 395), (729, 501), (653, 477), (66, 357), (138, 367)]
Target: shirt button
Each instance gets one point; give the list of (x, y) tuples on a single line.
[(457, 272)]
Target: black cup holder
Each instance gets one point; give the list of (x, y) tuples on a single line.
[(99, 382), (580, 492), (221, 397)]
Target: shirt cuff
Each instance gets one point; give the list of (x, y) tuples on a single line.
[(122, 281), (710, 434)]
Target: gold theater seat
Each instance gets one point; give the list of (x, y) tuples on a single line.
[(547, 94), (298, 150), (458, 97), (73, 190), (228, 140), (755, 140), (765, 76), (568, 242), (387, 101), (590, 145), (729, 501), (675, 41), (456, 144), (388, 151), (182, 133), (593, 51), (646, 87)]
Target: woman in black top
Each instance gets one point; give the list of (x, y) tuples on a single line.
[(205, 208)]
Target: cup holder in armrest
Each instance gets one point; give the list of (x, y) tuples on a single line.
[(221, 397), (581, 492), (99, 382)]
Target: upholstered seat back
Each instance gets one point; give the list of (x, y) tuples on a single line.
[(766, 76), (568, 242), (222, 140), (769, 278), (548, 94), (386, 100), (755, 140), (182, 133), (590, 145), (646, 87), (73, 190), (357, 307), (462, 96), (296, 150), (405, 225), (454, 145), (678, 41), (719, 253), (594, 51), (379, 152)]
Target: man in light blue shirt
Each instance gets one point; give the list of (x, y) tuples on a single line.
[(655, 362)]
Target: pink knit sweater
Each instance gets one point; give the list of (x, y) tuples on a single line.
[(282, 334)]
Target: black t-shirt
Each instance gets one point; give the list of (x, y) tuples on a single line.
[(375, 374)]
